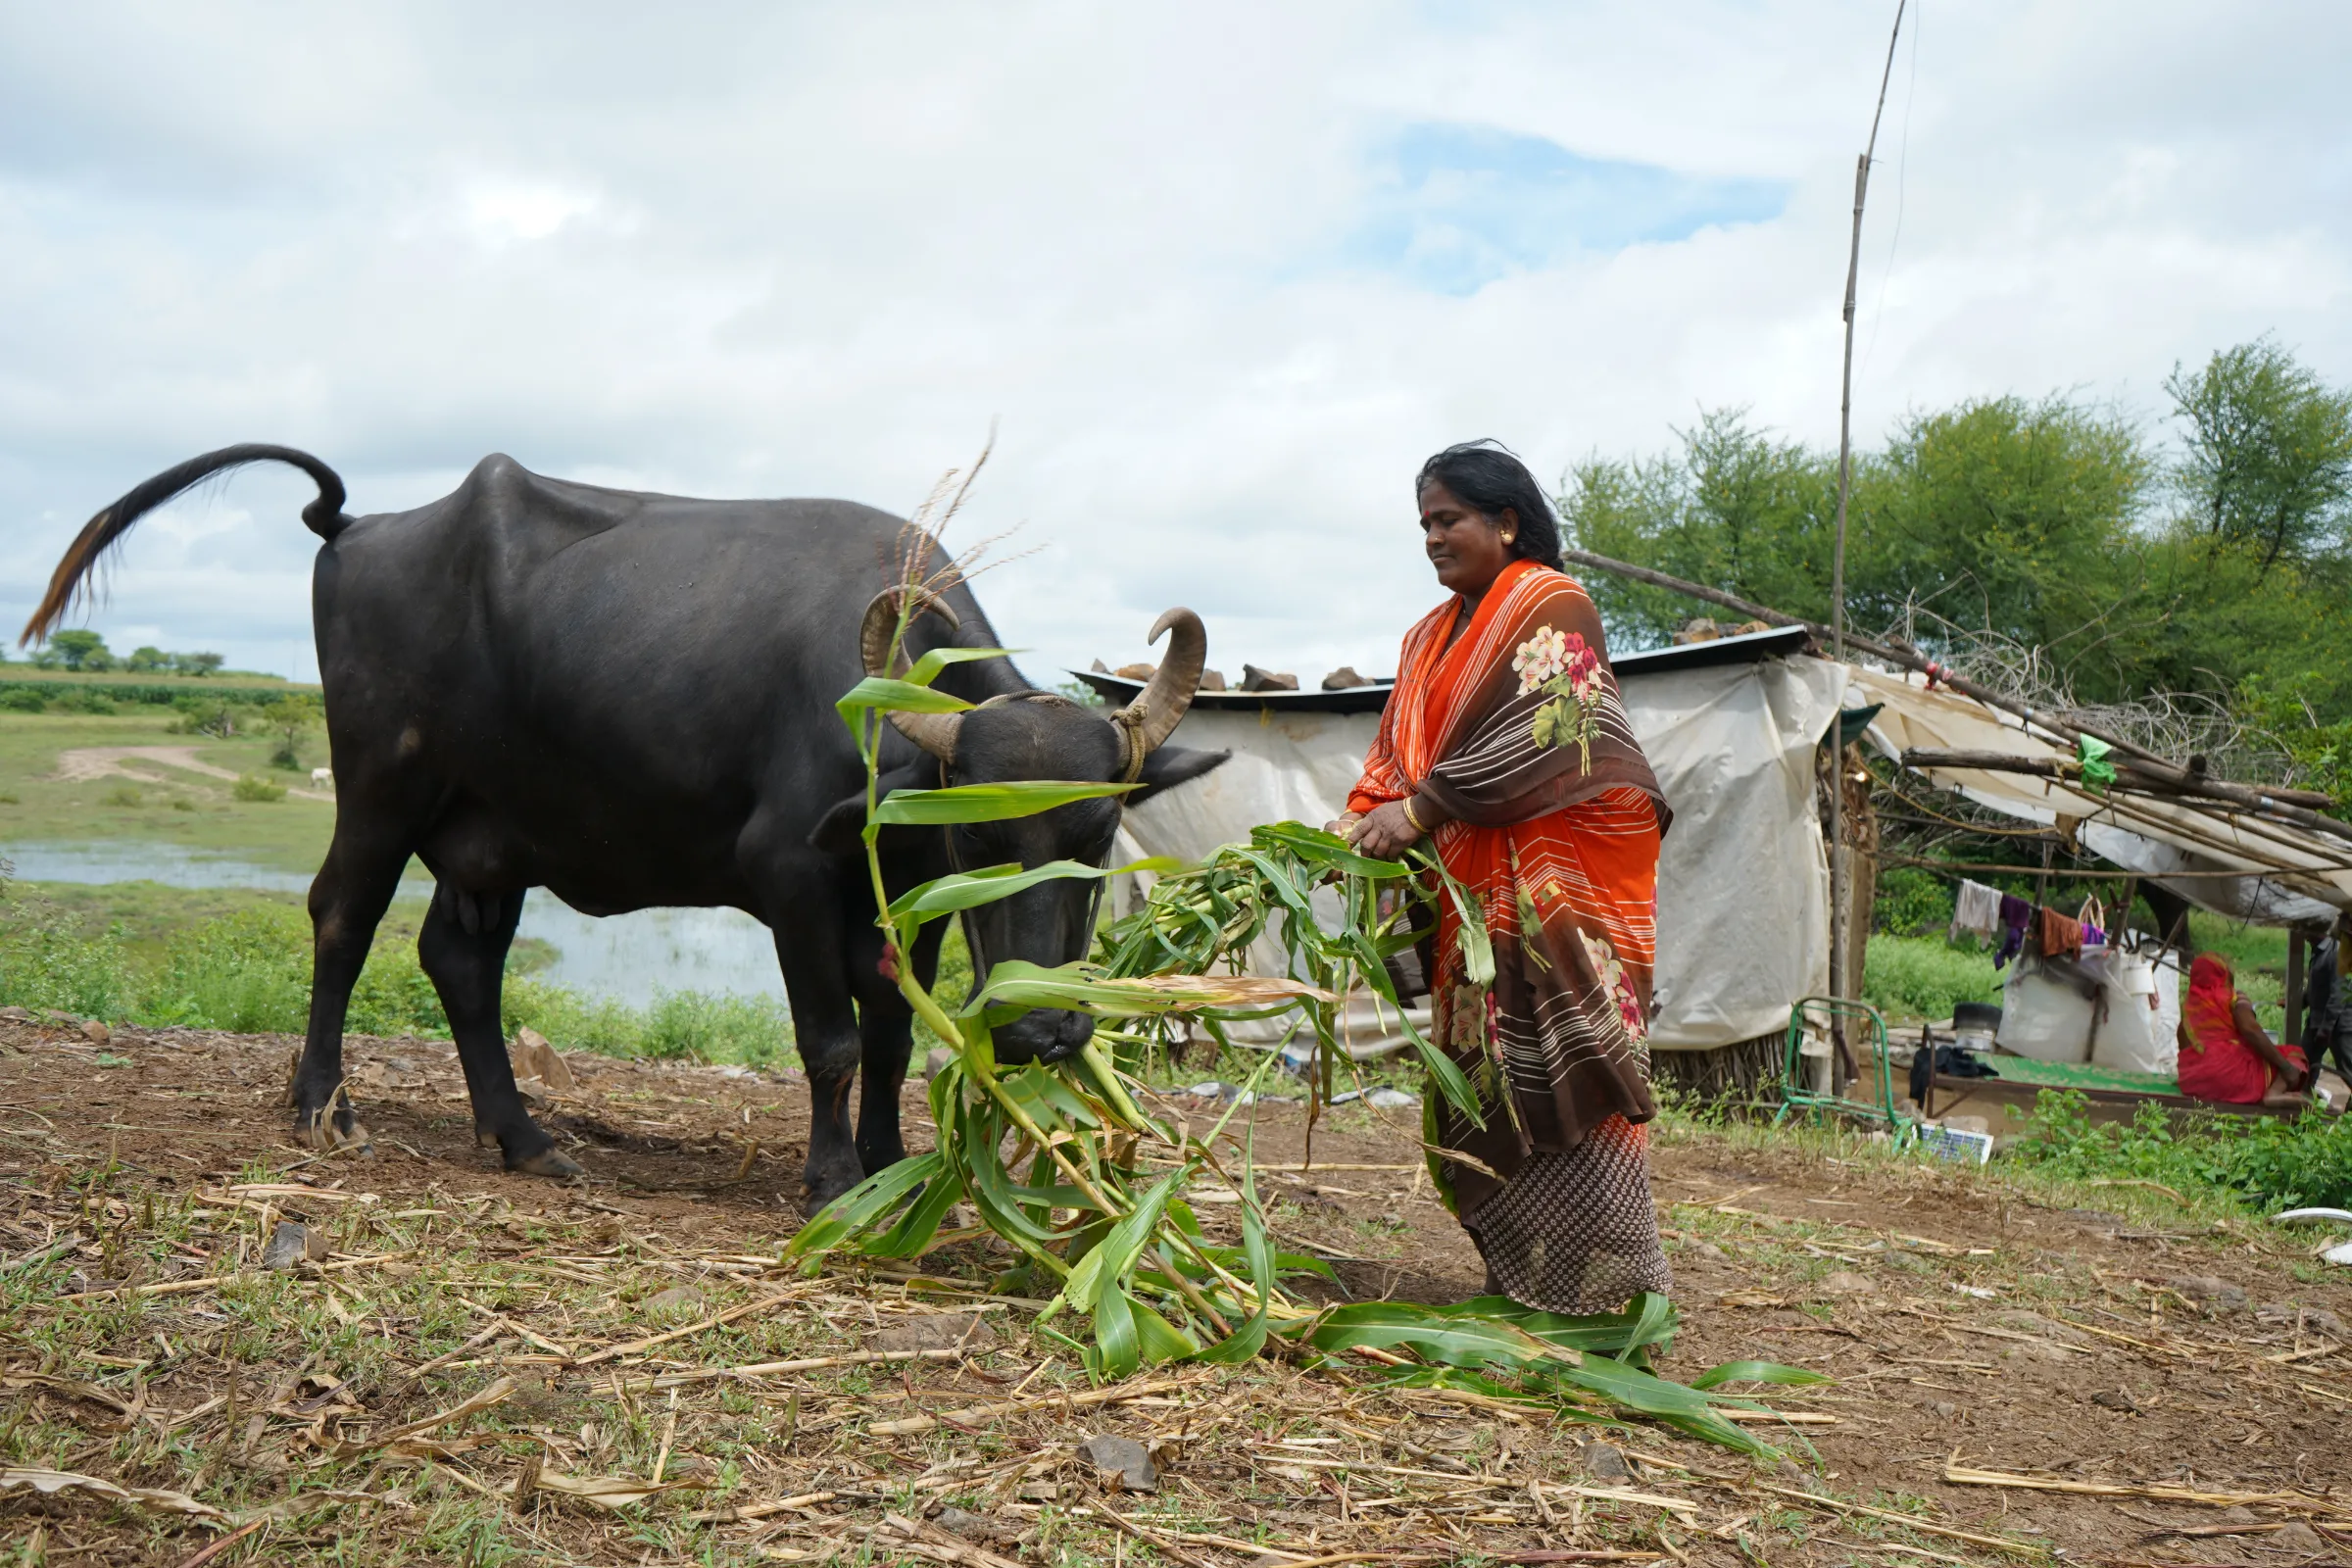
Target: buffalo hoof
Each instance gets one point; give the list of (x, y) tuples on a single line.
[(823, 1182), (551, 1163)]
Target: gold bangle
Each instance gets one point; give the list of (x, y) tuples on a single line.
[(1418, 825)]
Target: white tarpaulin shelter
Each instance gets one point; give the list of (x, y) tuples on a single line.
[(1729, 728)]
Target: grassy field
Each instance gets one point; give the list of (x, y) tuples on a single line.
[(187, 810)]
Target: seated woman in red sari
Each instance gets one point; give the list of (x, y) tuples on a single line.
[(2224, 1055), (1504, 744)]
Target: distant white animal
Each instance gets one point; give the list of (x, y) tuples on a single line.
[(322, 778)]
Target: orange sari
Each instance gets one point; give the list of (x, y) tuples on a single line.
[(1517, 734)]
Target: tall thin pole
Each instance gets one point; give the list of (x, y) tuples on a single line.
[(1838, 936)]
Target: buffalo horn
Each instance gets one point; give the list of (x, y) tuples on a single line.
[(933, 732), (1154, 716)]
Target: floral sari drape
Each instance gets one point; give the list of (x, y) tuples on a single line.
[(1516, 733)]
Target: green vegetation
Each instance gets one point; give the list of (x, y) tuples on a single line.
[(1924, 977), (251, 787), (2264, 1163), (2218, 564), (188, 810), (84, 651), (158, 957)]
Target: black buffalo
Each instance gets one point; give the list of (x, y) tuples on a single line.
[(627, 699)]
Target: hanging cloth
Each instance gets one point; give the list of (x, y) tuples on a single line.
[(2061, 938), (2015, 914), (1975, 911)]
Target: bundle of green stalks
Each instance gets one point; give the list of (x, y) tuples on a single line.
[(1061, 1162)]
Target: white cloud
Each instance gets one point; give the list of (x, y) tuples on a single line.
[(814, 250)]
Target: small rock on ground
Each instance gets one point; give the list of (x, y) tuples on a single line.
[(679, 1300), (938, 1331), (96, 1032), (2210, 1292), (291, 1244), (2315, 1319), (1121, 1460), (1845, 1282), (978, 1526), (1607, 1463)]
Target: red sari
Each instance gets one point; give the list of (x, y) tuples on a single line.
[(1516, 734), (2215, 1062)]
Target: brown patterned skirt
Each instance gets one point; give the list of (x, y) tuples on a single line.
[(1576, 1232)]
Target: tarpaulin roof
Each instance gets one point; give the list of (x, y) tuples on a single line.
[(2290, 874)]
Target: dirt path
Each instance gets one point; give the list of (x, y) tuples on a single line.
[(86, 762), (1966, 1321)]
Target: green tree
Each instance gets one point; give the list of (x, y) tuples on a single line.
[(288, 717), (2268, 466), (81, 650), (147, 658), (2016, 518), (196, 663)]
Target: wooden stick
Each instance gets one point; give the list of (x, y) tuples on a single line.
[(1962, 1476), (810, 1363), (1904, 1519), (710, 1322), (1051, 1401)]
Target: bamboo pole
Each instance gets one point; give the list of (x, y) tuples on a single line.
[(1840, 873)]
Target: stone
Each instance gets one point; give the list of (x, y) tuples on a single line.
[(2315, 1319), (1606, 1462), (936, 1061), (2210, 1292), (2300, 1538), (938, 1331), (291, 1244), (1788, 1475), (679, 1300), (1940, 1409), (1710, 1252), (1212, 680), (1136, 671), (1343, 679), (978, 1526), (1845, 1282), (2115, 1399), (96, 1032), (533, 1057), (1122, 1462), (15, 1014), (2021, 1321), (1254, 679)]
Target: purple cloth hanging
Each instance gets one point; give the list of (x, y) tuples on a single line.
[(2015, 916)]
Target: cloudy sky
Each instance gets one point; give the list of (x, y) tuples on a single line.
[(1223, 274)]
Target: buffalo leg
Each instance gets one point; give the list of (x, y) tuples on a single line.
[(464, 950), (885, 1040), (348, 899), (824, 1026)]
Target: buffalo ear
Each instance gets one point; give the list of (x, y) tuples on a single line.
[(1172, 766), (842, 830)]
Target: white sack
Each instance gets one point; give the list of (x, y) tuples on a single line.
[(2045, 1018)]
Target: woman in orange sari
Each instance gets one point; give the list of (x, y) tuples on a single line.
[(1505, 745)]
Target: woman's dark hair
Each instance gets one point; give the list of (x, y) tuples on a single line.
[(1488, 475)]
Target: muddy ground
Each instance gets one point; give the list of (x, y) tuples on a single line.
[(1972, 1322)]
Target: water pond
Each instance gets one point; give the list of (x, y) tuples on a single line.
[(629, 958)]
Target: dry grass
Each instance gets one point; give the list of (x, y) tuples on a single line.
[(485, 1370)]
